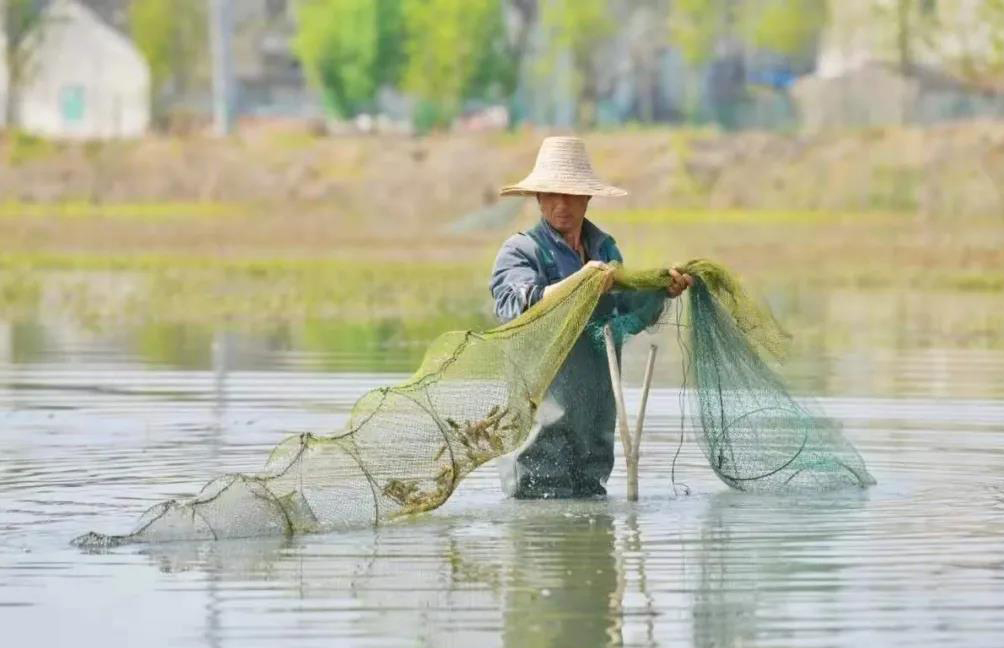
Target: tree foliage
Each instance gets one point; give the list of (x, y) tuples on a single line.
[(983, 55), (451, 54), (442, 52), (349, 48), (172, 35), (579, 25), (20, 19), (966, 40), (578, 28), (337, 45), (786, 27), (694, 25), (993, 17), (455, 50)]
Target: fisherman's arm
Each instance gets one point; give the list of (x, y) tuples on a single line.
[(515, 283)]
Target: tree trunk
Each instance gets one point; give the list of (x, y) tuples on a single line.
[(903, 36), (11, 116)]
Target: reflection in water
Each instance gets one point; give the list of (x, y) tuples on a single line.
[(724, 608), (863, 340), (256, 559), (634, 546), (543, 575), (564, 587), (750, 556), (555, 579)]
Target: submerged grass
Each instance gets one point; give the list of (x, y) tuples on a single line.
[(176, 288), (393, 286)]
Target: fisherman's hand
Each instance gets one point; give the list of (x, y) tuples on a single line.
[(606, 269), (680, 282)]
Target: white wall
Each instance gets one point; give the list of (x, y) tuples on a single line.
[(86, 80), (861, 32)]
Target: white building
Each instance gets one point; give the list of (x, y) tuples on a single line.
[(880, 65), (82, 79), (937, 34)]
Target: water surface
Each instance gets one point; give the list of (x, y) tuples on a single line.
[(91, 434)]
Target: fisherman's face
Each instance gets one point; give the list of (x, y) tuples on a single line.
[(564, 212)]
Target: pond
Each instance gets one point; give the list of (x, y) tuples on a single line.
[(99, 425)]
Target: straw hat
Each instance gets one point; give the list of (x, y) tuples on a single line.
[(562, 167)]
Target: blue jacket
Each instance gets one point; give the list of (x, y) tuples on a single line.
[(539, 257), (570, 455)]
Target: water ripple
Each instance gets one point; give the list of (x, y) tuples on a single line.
[(914, 561)]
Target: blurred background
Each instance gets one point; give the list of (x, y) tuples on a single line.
[(223, 221), (270, 183)]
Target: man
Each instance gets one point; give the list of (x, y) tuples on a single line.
[(572, 453)]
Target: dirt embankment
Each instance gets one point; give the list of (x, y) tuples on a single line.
[(949, 170)]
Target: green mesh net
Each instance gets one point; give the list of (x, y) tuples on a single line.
[(474, 397), (755, 436)]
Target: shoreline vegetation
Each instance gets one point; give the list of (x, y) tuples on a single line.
[(109, 273), (127, 235), (949, 170)]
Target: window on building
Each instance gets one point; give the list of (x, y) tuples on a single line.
[(72, 103)]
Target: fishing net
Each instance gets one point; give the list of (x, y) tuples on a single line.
[(755, 435), (404, 448), (474, 397)]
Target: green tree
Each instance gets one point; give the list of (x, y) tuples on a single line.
[(389, 61), (23, 22), (349, 48), (787, 27), (993, 17), (904, 42), (172, 35), (695, 26), (965, 39), (578, 28), (980, 40), (455, 50)]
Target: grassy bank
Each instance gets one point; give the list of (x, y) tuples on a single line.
[(254, 267), (366, 296), (251, 292), (953, 170)]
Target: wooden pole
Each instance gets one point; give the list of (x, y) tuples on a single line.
[(622, 422), (646, 385)]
